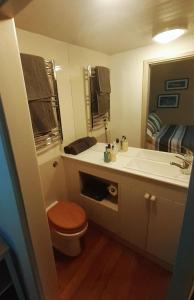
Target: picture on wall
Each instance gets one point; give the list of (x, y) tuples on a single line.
[(168, 101), (177, 84)]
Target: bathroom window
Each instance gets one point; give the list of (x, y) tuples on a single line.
[(41, 88)]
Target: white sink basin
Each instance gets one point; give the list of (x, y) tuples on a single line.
[(153, 155), (157, 156), (155, 168)]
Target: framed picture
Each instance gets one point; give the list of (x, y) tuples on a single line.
[(177, 84), (168, 101)]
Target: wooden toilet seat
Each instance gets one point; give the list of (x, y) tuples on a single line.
[(67, 217)]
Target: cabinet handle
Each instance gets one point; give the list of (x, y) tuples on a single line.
[(147, 196), (153, 198)]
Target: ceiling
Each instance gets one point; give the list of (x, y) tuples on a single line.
[(109, 26)]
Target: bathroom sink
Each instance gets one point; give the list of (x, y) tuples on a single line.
[(157, 156), (146, 154), (155, 168)]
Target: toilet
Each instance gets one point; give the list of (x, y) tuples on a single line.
[(68, 223)]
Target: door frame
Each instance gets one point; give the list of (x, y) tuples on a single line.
[(183, 272), (146, 86), (17, 116)]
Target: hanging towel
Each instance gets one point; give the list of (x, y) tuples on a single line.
[(39, 94), (93, 94), (103, 101), (35, 76), (42, 117), (103, 80)]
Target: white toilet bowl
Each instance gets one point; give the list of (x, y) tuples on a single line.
[(68, 223)]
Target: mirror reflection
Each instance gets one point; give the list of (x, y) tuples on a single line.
[(170, 120)]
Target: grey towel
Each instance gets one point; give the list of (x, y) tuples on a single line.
[(35, 76), (103, 103), (100, 102), (80, 145), (42, 117), (103, 80), (39, 94), (100, 91), (93, 94)]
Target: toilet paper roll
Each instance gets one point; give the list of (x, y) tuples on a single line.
[(112, 189)]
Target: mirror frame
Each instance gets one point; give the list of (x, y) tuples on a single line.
[(146, 87)]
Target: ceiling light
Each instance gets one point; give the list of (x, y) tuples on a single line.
[(168, 35)]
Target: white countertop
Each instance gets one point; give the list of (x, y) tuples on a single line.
[(142, 162)]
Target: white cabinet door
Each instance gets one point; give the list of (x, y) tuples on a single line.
[(134, 211), (152, 226), (166, 217)]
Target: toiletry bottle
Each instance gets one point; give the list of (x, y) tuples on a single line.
[(121, 143), (125, 144), (109, 152), (118, 146), (106, 155), (113, 154)]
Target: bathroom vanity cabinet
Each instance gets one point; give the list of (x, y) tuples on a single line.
[(152, 216), (148, 214)]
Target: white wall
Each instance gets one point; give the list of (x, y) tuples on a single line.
[(72, 59), (15, 107), (126, 80), (126, 96), (53, 181), (52, 49), (78, 59)]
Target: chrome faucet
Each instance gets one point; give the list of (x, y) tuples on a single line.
[(186, 158), (185, 164)]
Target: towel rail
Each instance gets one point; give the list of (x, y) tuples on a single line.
[(95, 122), (42, 141), (45, 100), (47, 143)]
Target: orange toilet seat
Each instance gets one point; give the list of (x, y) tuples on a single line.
[(67, 217)]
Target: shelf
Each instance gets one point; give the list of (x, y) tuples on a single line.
[(91, 186), (105, 202), (109, 204)]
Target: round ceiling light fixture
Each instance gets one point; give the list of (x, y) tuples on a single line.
[(168, 35)]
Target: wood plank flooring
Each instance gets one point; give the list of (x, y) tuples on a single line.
[(107, 270)]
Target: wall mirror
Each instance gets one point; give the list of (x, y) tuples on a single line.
[(166, 122), (168, 105)]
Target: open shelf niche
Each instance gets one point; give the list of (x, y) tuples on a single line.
[(97, 189)]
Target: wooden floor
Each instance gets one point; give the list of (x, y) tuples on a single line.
[(106, 270)]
